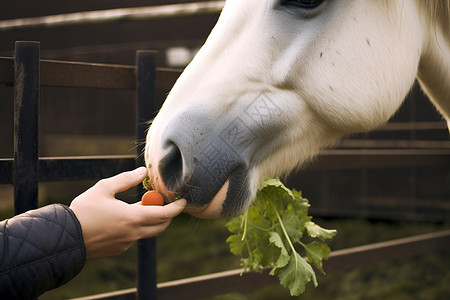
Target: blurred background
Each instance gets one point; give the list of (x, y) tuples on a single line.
[(365, 203)]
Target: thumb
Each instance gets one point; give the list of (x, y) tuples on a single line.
[(124, 181)]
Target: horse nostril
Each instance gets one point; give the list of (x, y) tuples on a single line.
[(171, 167)]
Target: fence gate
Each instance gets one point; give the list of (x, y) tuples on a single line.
[(27, 72)]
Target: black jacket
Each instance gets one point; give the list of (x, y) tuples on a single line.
[(39, 250)]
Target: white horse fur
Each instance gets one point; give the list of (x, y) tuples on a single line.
[(343, 67)]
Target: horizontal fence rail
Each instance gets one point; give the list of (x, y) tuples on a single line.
[(88, 75), (114, 15), (394, 144), (73, 168), (393, 126), (379, 158), (91, 167), (340, 260)]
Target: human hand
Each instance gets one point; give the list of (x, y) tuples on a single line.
[(111, 226)]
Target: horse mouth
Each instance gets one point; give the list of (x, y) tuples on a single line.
[(213, 209), (226, 198)]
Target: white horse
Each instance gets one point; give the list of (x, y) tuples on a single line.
[(277, 80)]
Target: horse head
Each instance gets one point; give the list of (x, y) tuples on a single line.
[(276, 81)]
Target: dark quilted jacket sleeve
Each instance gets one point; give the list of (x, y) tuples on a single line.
[(40, 250)]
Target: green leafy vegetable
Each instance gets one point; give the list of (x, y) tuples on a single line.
[(147, 183), (273, 231)]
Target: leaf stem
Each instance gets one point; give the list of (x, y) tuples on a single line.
[(283, 228), (245, 220)]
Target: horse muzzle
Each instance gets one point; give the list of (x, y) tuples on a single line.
[(204, 163)]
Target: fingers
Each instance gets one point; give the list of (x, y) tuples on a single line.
[(152, 215), (153, 230), (174, 209), (155, 219), (123, 181)]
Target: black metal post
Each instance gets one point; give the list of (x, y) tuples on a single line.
[(26, 104), (146, 106)]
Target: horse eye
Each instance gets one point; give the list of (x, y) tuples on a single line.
[(307, 4)]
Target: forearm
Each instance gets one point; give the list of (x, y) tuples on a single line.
[(41, 250)]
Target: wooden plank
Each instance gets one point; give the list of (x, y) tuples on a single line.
[(214, 284), (166, 78), (116, 15), (399, 126), (73, 168), (106, 76), (433, 213), (378, 159), (393, 144), (89, 75), (83, 167), (128, 294), (75, 74), (327, 160), (146, 103), (340, 260), (26, 111)]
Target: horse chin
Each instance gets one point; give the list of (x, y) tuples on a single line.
[(213, 210)]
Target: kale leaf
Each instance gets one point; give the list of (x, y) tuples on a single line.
[(272, 232)]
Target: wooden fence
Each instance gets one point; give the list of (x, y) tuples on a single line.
[(178, 10), (26, 72)]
